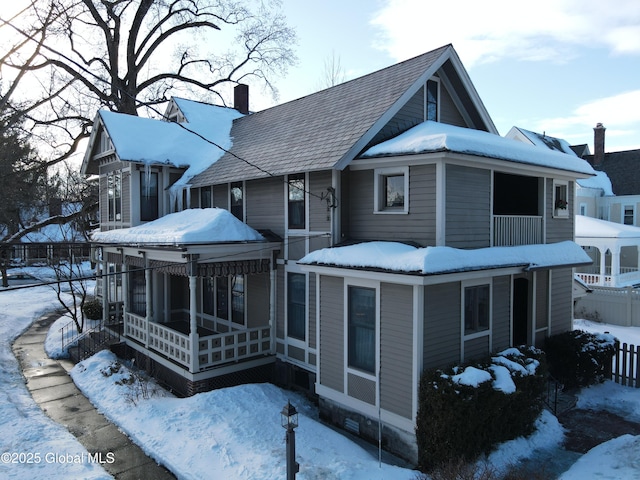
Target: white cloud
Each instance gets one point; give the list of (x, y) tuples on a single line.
[(496, 29)]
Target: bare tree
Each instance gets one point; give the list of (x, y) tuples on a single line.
[(333, 73), (125, 55)]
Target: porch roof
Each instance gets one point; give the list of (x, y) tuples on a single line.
[(401, 258), (189, 227)]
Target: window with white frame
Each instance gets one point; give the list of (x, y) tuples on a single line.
[(296, 305), (560, 199), (431, 100), (477, 308), (391, 194), (114, 196), (362, 328), (583, 209), (628, 215), (295, 201), (224, 298)]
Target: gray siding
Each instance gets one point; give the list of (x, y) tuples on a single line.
[(396, 348), (332, 333), (319, 217), (542, 300), (411, 114), (449, 113), (476, 349), (561, 300), (257, 296), (501, 313), (361, 388), (559, 229), (441, 325), (265, 204), (468, 207), (417, 226)]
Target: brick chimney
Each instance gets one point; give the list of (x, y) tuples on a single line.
[(241, 98), (598, 145)]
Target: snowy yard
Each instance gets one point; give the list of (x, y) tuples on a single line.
[(236, 432)]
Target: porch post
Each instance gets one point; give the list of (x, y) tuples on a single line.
[(603, 264), (193, 318), (147, 298), (615, 266)]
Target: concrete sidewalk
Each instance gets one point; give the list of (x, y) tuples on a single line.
[(53, 389)]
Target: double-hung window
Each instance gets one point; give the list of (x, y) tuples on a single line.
[(477, 308), (391, 194), (362, 328), (296, 204), (137, 291), (236, 200), (114, 196), (560, 199), (148, 196), (296, 305)]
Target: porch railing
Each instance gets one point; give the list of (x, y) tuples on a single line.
[(512, 230), (212, 350)]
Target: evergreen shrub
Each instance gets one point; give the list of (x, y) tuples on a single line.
[(579, 359), (458, 422), (92, 309)]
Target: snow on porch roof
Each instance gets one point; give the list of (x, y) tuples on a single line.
[(193, 226), (588, 227), (431, 136), (402, 258)]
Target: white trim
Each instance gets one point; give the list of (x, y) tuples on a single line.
[(441, 204), (564, 212), (378, 186), (373, 376)]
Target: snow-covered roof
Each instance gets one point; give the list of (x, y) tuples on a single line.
[(203, 225), (595, 228), (151, 141), (402, 258), (541, 140), (431, 136), (600, 181)]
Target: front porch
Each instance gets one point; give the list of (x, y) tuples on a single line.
[(202, 350)]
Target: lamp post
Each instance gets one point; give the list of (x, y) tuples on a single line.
[(289, 421)]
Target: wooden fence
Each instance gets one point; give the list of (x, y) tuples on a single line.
[(625, 366)]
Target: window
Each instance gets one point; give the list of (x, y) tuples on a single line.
[(115, 282), (237, 200), (362, 328), (237, 299), (296, 305), (222, 297), (583, 209), (114, 196), (148, 196), (209, 296), (205, 198), (476, 308), (296, 201), (137, 292), (560, 199), (391, 193), (432, 100), (628, 215)]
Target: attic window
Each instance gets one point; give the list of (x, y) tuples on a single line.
[(391, 194), (431, 100)]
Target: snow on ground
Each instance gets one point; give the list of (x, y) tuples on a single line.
[(28, 435), (236, 432)]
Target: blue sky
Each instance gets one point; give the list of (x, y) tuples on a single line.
[(554, 66)]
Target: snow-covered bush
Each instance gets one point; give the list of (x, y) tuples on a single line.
[(464, 411), (578, 359)]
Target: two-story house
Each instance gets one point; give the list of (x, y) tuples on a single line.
[(389, 229)]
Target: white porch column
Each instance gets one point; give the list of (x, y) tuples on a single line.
[(615, 266), (148, 300), (193, 317), (603, 265)]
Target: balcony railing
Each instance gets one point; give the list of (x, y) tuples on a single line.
[(212, 350), (512, 230)]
